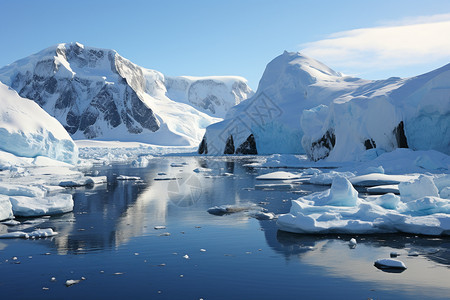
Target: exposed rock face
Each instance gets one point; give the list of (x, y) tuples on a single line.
[(400, 136), (86, 89), (229, 146), (322, 147), (248, 147), (97, 94)]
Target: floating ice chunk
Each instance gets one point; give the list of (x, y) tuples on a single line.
[(260, 215), (5, 208), (229, 209), (389, 201), (327, 178), (159, 227), (311, 171), (73, 183), (21, 190), (383, 189), (352, 242), (342, 193), (178, 165), (418, 188), (123, 177), (11, 222), (274, 186), (141, 162), (378, 169), (202, 170), (389, 263), (71, 282), (96, 180), (186, 256), (280, 175), (376, 179), (428, 205), (39, 233), (442, 181), (32, 207), (394, 254)]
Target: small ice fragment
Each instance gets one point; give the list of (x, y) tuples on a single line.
[(162, 265), (388, 263), (123, 177), (352, 242), (14, 258), (413, 253), (181, 275), (45, 288), (136, 253), (157, 227), (83, 278), (394, 254), (53, 279), (202, 250), (165, 234), (11, 223), (186, 256), (72, 282), (118, 273)]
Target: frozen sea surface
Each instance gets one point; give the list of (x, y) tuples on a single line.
[(110, 240)]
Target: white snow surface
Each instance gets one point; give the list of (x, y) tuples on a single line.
[(97, 94), (302, 106), (26, 130)]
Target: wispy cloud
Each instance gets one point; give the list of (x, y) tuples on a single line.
[(405, 43)]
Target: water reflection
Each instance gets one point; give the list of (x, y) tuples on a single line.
[(110, 215)]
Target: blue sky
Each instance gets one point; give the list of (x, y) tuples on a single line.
[(370, 39)]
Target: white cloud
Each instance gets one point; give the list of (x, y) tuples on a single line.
[(408, 42)]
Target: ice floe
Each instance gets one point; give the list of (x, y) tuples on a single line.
[(340, 210), (39, 233), (280, 175), (389, 263), (24, 206)]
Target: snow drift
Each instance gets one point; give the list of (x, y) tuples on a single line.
[(302, 106), (26, 130), (97, 94)]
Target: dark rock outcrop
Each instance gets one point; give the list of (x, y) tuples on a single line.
[(248, 147)]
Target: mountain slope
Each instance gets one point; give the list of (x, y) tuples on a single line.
[(98, 94)]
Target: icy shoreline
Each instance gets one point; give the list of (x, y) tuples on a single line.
[(410, 190)]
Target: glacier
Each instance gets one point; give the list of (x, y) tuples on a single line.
[(303, 107), (26, 130), (97, 94)]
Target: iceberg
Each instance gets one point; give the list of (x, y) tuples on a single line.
[(303, 107)]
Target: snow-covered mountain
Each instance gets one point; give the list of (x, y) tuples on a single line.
[(302, 106), (98, 94), (26, 130)]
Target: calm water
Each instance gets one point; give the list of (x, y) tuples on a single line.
[(110, 240)]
